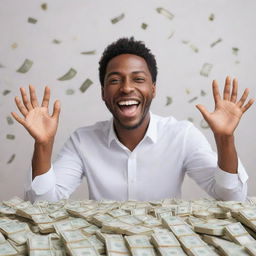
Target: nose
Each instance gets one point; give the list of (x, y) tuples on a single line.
[(127, 86)]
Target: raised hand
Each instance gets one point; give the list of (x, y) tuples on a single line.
[(228, 111), (39, 123)]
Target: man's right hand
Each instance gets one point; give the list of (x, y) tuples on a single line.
[(39, 123)]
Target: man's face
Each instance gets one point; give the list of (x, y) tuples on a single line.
[(128, 90)]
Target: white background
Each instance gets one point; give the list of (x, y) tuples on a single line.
[(85, 25)]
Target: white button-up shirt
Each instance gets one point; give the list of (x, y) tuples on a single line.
[(154, 170)]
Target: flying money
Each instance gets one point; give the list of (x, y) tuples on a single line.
[(117, 19), (69, 75), (165, 12), (25, 67), (86, 84)]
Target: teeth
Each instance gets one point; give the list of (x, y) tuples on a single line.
[(128, 102)]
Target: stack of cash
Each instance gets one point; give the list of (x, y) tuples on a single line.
[(190, 241), (246, 216), (5, 247), (97, 244), (116, 246), (225, 247), (140, 245), (204, 227), (238, 234), (166, 243), (45, 245)]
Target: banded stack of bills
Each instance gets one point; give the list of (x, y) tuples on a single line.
[(116, 246), (140, 245), (238, 234)]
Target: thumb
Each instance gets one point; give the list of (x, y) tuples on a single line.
[(203, 111), (56, 109)]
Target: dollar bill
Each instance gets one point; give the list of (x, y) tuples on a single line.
[(165, 240), (7, 249), (237, 233), (86, 84), (69, 75), (138, 241), (118, 18), (206, 69), (26, 66), (165, 12), (210, 229), (115, 246)]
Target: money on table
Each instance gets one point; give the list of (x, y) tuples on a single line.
[(167, 227)]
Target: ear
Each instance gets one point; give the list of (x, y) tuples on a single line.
[(154, 90)]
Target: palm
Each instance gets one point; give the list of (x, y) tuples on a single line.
[(225, 118), (41, 126), (228, 111)]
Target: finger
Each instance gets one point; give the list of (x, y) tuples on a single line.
[(56, 110), (33, 98), (243, 98), (234, 91), (23, 110), (46, 98), (203, 111), (25, 100), (18, 119), (226, 91), (215, 91), (250, 102)]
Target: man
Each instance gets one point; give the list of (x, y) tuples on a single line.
[(136, 154)]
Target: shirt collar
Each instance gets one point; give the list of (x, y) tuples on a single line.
[(151, 131), (111, 135)]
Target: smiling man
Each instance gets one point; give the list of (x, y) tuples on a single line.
[(128, 91), (136, 154)]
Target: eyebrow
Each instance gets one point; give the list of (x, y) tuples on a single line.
[(118, 73)]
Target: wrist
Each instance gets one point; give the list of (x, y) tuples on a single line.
[(44, 144), (224, 138)]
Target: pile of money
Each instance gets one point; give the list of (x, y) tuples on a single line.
[(204, 227)]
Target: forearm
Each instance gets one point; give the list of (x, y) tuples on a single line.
[(227, 156), (41, 161)]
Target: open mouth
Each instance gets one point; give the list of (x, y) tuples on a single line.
[(128, 107)]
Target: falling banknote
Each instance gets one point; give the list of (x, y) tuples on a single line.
[(117, 19), (86, 84), (25, 67), (165, 12), (69, 75), (206, 69)]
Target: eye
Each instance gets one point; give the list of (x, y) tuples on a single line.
[(114, 80), (139, 79)]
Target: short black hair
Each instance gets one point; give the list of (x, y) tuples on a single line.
[(127, 46)]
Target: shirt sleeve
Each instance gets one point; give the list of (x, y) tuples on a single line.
[(200, 163), (64, 176)]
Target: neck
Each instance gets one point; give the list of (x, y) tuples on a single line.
[(131, 138)]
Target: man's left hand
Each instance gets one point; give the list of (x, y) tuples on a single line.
[(228, 111)]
